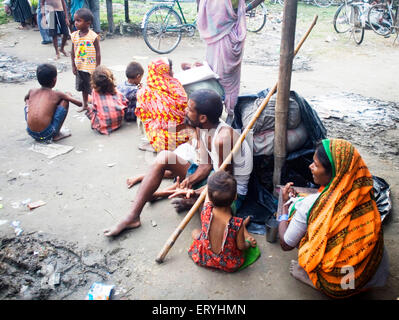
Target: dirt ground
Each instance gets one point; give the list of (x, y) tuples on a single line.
[(62, 250)]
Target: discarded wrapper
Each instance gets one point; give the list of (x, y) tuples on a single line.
[(99, 291), (36, 204)]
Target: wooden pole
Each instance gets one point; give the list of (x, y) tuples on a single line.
[(284, 84), (110, 17), (171, 241)]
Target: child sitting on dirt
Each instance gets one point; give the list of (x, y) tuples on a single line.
[(223, 240), (108, 104), (134, 74), (85, 54), (46, 109)]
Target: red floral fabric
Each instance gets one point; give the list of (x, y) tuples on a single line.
[(230, 258)]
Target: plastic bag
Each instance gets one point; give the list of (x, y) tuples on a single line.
[(382, 195)]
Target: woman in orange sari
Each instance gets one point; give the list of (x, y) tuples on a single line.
[(337, 230), (161, 106)]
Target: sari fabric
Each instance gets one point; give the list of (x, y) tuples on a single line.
[(224, 31), (344, 227), (161, 106)]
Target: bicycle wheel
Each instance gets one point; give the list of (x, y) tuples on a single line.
[(256, 18), (323, 3), (379, 19), (161, 29), (357, 27), (341, 20)]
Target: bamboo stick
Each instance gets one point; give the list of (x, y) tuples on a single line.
[(171, 241)]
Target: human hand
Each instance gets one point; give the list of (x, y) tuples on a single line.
[(288, 192), (74, 70), (185, 184), (185, 192)]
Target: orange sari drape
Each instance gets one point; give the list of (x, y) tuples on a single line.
[(344, 226), (161, 106)]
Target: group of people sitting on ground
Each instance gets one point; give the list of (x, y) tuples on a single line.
[(337, 230)]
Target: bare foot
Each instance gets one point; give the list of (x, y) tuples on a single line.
[(120, 227), (133, 181), (64, 53), (247, 236), (299, 273), (62, 134), (146, 147)]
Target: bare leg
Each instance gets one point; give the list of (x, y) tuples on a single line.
[(166, 160), (299, 273), (85, 98), (55, 44), (64, 40), (61, 135), (133, 181)]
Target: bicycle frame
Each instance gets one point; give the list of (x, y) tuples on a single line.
[(171, 4)]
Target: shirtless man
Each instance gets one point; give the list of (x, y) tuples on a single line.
[(217, 139), (46, 109), (55, 16)]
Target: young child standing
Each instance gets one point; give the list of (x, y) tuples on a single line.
[(223, 239), (46, 109), (134, 74), (86, 54), (108, 104)]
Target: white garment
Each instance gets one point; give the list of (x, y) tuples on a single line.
[(242, 160), (299, 222)]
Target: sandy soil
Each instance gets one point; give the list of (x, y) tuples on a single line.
[(62, 249)]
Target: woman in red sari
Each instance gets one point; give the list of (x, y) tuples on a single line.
[(161, 106)]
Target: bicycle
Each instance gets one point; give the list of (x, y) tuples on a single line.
[(256, 17), (351, 17), (163, 27), (382, 18)]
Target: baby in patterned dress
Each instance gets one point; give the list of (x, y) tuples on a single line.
[(223, 239)]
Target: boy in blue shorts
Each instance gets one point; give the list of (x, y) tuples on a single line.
[(45, 108)]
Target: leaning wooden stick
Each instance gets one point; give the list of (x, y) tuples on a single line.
[(171, 241)]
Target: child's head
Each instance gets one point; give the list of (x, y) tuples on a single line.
[(83, 18), (46, 74), (222, 189), (103, 80), (134, 72)]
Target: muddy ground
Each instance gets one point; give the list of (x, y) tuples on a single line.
[(57, 251)]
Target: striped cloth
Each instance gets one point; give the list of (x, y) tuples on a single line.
[(85, 52)]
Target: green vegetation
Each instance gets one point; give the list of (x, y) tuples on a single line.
[(137, 10), (4, 18)]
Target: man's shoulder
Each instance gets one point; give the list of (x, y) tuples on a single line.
[(224, 134)]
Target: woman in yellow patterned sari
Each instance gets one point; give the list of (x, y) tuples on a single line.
[(161, 106), (337, 230)]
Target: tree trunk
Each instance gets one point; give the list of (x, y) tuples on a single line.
[(283, 88), (127, 19), (110, 17)]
